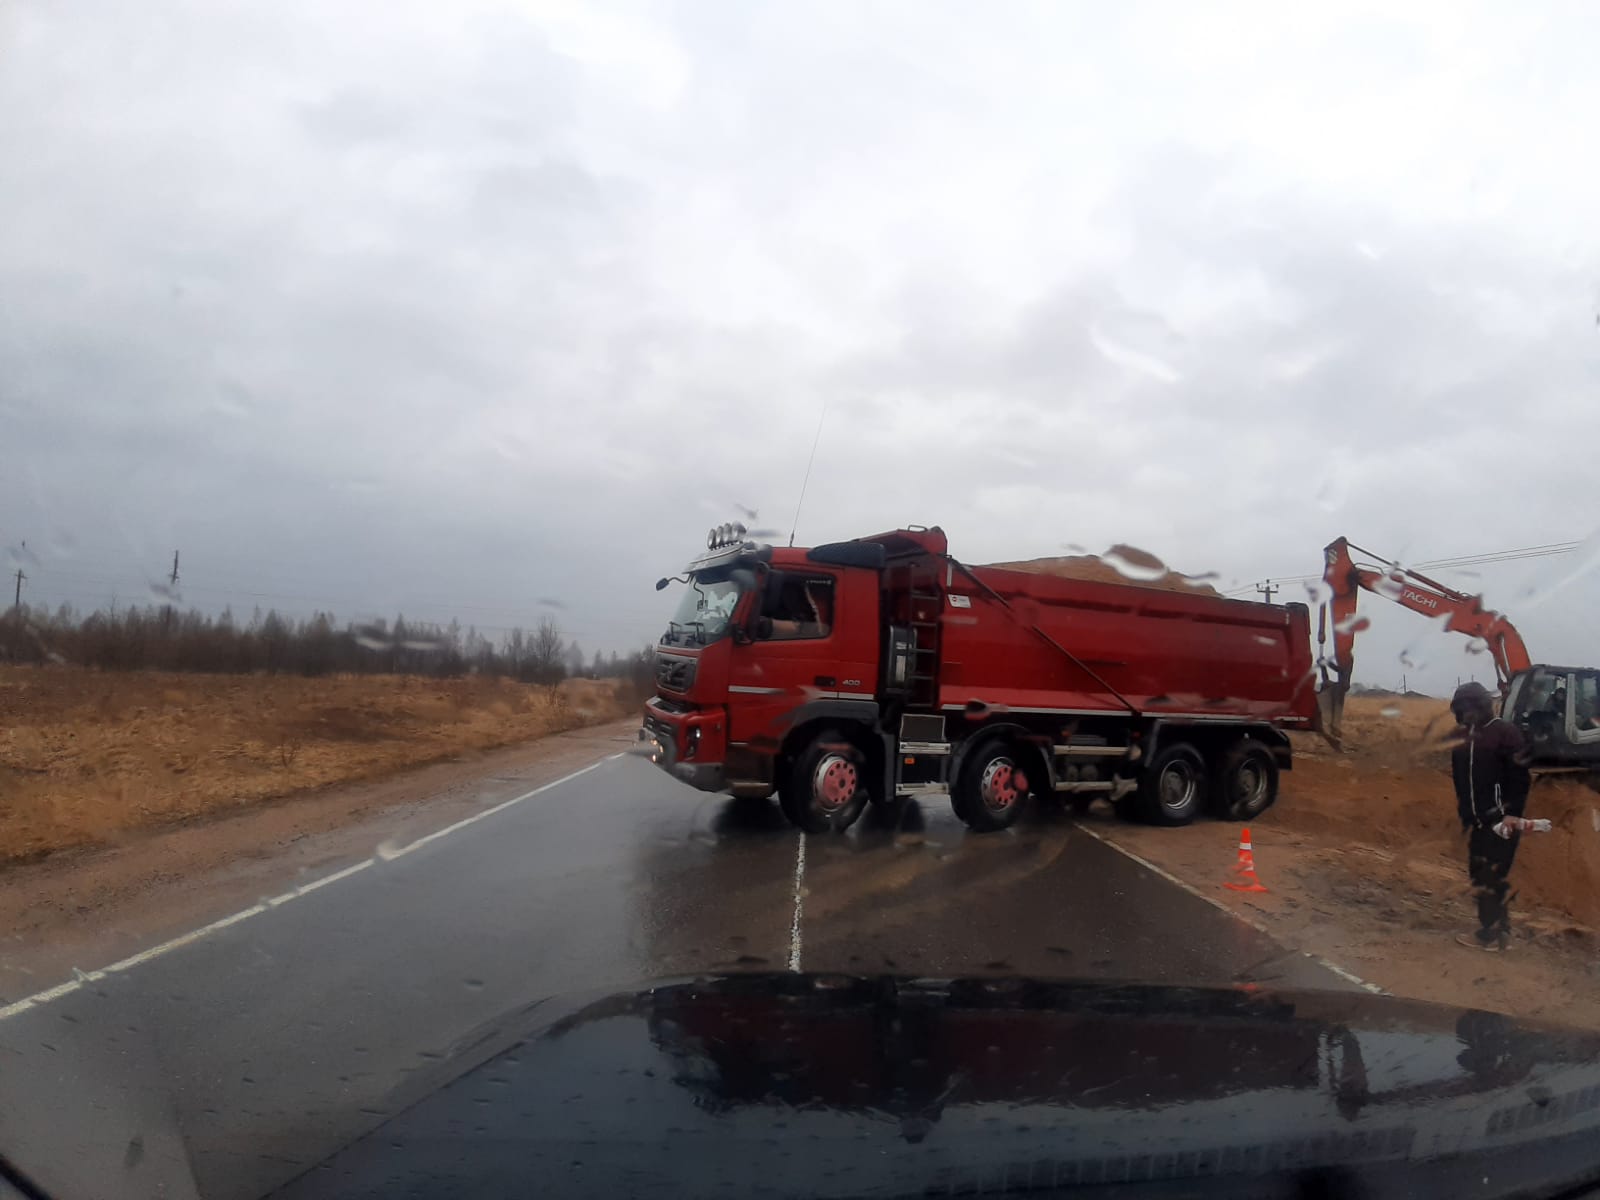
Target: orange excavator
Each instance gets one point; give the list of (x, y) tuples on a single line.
[(1558, 708)]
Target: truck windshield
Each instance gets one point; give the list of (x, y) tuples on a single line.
[(704, 611)]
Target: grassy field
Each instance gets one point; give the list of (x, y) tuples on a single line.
[(88, 756)]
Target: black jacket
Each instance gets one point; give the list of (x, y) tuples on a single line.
[(1490, 774)]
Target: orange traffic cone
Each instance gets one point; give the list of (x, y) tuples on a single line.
[(1245, 868)]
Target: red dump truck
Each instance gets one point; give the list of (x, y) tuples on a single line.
[(876, 669)]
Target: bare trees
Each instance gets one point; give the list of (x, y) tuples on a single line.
[(146, 639), (546, 651)]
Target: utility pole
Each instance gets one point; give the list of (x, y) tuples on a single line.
[(17, 602), (1268, 589)]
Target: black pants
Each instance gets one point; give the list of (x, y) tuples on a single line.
[(1489, 859)]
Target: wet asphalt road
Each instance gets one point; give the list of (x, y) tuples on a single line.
[(225, 1067)]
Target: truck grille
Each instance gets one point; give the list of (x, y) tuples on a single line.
[(674, 673)]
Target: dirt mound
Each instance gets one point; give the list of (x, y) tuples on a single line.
[(1126, 565), (85, 755), (1390, 796)]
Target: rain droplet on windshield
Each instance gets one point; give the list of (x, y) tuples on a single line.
[(1132, 563), (1137, 341), (1318, 592), (388, 849), (1334, 491)]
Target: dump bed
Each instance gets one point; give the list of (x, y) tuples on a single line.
[(1024, 640)]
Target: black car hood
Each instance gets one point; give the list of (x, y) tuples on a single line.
[(823, 1085)]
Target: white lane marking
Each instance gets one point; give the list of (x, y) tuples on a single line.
[(183, 939), (489, 812), (1341, 972), (799, 902), (335, 877), (194, 935)]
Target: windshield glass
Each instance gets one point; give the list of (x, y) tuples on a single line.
[(704, 611), (1107, 437)]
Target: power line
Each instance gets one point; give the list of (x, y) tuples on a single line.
[(1516, 554)]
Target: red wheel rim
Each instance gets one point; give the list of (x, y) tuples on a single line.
[(1001, 783), (835, 783)]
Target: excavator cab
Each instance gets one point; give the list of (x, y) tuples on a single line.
[(1558, 711)]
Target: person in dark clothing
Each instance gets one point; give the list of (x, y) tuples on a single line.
[(1491, 778)]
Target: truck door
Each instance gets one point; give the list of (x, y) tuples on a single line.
[(815, 638)]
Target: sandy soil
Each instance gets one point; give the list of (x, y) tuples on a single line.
[(89, 757), (1366, 866), (1141, 569)]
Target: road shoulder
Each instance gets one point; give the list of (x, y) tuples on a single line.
[(1343, 904)]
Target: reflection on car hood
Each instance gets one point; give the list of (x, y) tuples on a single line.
[(818, 1085)]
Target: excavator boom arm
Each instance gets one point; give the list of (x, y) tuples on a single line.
[(1345, 581)]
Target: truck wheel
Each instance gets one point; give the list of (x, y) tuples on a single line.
[(990, 789), (1173, 788), (1245, 780), (825, 791)]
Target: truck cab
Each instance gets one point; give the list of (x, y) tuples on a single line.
[(791, 641)]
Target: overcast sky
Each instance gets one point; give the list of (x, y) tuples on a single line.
[(447, 308)]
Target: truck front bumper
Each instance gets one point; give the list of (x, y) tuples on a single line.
[(668, 733)]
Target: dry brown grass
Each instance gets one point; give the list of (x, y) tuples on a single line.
[(86, 755)]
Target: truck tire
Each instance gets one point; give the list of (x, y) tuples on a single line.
[(990, 789), (1172, 790), (825, 789), (1245, 780)]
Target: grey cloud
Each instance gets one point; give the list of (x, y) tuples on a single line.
[(469, 317)]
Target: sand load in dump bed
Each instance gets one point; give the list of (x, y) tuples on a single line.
[(1146, 570)]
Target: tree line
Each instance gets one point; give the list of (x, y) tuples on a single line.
[(160, 638)]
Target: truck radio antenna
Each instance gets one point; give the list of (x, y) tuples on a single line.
[(823, 417)]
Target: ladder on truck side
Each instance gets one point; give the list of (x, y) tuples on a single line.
[(917, 580)]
